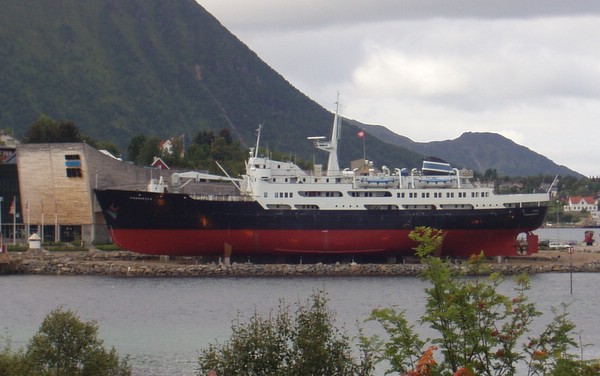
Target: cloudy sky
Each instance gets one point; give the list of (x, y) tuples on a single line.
[(431, 70)]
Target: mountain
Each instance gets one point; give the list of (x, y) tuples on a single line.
[(478, 152), (118, 68)]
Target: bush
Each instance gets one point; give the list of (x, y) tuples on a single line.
[(479, 330), (64, 345), (17, 248), (307, 343), (107, 247), (12, 362)]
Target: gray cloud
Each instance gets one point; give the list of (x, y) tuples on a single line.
[(431, 70), (308, 14)]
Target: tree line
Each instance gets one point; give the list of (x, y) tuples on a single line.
[(208, 146)]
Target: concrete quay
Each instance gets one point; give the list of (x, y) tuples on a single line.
[(126, 264)]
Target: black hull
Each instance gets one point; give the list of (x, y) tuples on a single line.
[(215, 225)]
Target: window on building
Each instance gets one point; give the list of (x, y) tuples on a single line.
[(73, 166)]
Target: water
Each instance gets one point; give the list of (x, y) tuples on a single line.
[(565, 234), (162, 323)]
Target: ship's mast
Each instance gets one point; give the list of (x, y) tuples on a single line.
[(331, 146), (257, 140)]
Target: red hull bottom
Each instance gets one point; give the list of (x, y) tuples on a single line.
[(459, 243)]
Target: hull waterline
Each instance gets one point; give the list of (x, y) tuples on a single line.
[(177, 224)]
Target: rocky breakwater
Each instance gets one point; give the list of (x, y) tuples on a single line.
[(126, 264)]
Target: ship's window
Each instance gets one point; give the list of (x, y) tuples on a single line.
[(381, 207), (307, 207), (279, 206), (320, 194), (370, 193), (286, 195), (266, 194), (73, 166)]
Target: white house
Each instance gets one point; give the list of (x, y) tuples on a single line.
[(581, 203)]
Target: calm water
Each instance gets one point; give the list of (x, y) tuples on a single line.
[(162, 323), (566, 234)]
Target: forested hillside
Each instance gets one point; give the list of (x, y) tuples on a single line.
[(117, 69), (162, 68)]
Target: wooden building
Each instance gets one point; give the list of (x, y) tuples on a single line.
[(57, 184)]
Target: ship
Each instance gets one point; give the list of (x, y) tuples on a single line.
[(277, 208)]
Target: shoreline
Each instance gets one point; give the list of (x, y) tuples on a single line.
[(128, 264)]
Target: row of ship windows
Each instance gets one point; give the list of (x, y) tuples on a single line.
[(377, 194), (303, 180), (373, 207)]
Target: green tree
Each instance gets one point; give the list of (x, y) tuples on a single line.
[(13, 362), (307, 343), (148, 151), (65, 345), (226, 135), (208, 148), (204, 138), (47, 130), (479, 329), (68, 132), (135, 146)]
